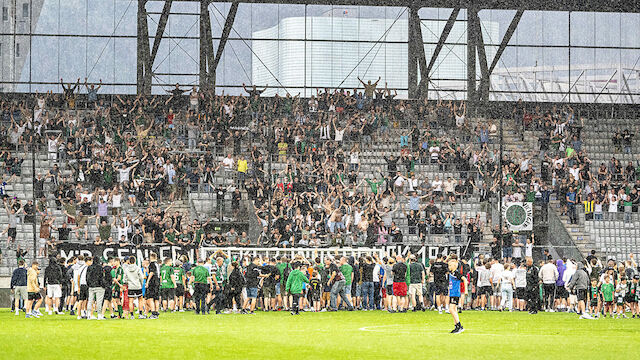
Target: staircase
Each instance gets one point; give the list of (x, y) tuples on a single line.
[(579, 234)]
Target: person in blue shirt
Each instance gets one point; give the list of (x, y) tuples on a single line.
[(455, 279)]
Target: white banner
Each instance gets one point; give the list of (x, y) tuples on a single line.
[(518, 216), (421, 252)]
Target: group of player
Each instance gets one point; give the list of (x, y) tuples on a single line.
[(89, 287)]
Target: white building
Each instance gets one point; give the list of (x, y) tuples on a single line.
[(318, 62), (15, 18)]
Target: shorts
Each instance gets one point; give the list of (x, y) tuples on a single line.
[(594, 302), (54, 291), (608, 303), (521, 293), (389, 290), (252, 292), (581, 294), (315, 295), (115, 293), (485, 290), (12, 233), (152, 293), (496, 290), (107, 294), (34, 296), (415, 289), (42, 243), (454, 300), (20, 292), (134, 293), (630, 299), (277, 288), (269, 291), (168, 293), (549, 290), (358, 290), (84, 293), (179, 290), (561, 292), (441, 288), (399, 289)]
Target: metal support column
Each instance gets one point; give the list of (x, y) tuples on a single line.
[(471, 55), (482, 92), (144, 70), (413, 42), (206, 44)]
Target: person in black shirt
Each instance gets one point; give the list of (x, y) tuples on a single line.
[(153, 288), (272, 277), (337, 282), (253, 275), (532, 290), (399, 283), (53, 281), (439, 270), (366, 269)]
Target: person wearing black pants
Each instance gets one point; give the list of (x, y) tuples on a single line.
[(199, 295), (236, 283), (533, 295), (201, 286)]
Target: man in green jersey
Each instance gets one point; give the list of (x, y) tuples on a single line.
[(347, 271), (178, 274), (116, 279), (167, 285), (201, 286), (282, 264)]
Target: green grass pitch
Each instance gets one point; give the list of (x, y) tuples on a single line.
[(342, 335)]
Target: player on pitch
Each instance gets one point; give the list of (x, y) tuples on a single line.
[(455, 279)]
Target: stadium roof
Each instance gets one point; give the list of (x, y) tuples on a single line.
[(551, 5)]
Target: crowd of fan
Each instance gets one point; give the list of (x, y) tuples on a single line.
[(120, 161), (566, 170)]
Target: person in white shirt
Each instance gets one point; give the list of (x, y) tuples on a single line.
[(228, 162), (484, 284), (520, 275), (528, 248), (496, 272), (548, 274), (507, 283)]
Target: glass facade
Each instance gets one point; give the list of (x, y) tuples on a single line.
[(552, 56)]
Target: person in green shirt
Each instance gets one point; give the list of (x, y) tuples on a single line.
[(170, 236), (295, 286), (607, 290), (347, 272), (373, 184), (116, 280), (167, 285), (201, 286), (281, 265), (179, 276)]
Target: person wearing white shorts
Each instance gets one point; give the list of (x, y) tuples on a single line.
[(54, 293)]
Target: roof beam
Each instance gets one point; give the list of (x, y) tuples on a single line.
[(162, 24), (505, 40), (228, 24), (443, 37)]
